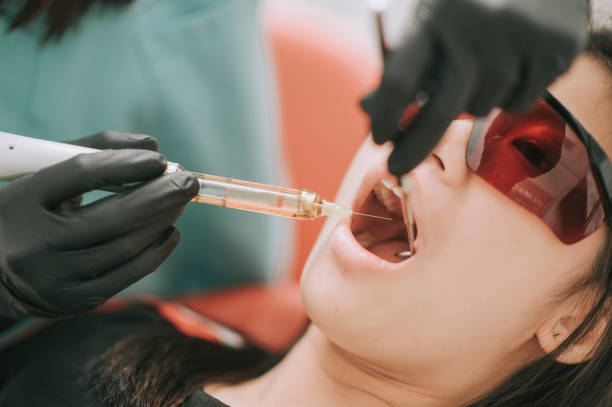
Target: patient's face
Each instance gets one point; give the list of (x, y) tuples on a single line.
[(485, 272)]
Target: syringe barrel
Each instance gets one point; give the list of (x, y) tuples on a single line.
[(255, 197)]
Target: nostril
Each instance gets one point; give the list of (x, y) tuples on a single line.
[(440, 162)]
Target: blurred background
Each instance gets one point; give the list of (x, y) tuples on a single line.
[(266, 91), (398, 10)]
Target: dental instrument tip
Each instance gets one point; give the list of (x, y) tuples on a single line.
[(402, 192), (371, 216)]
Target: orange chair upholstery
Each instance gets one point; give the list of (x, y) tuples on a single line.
[(324, 64)]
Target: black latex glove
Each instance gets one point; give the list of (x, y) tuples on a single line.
[(58, 261), (470, 56)]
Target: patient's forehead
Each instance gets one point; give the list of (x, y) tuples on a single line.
[(586, 91)]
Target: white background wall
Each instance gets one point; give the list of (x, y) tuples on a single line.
[(399, 12), (602, 10)]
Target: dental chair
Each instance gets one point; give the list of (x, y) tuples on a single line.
[(324, 63)]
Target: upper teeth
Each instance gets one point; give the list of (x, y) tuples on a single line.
[(385, 195), (392, 198)]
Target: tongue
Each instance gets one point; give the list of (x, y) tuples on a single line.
[(387, 250)]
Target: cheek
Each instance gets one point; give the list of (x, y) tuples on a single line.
[(486, 262), (489, 261)]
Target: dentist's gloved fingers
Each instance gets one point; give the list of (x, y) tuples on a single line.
[(107, 285), (123, 212), (530, 89), (35, 268), (506, 41), (86, 172), (98, 260), (496, 82), (401, 82), (109, 139), (385, 118), (445, 104)]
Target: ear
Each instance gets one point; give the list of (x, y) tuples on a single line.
[(561, 325)]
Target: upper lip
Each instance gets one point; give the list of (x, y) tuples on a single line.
[(371, 178)]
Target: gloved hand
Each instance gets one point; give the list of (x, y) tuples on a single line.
[(58, 261), (470, 56)]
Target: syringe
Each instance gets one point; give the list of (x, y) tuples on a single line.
[(262, 198), (21, 155)]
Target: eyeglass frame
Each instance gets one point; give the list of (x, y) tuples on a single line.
[(600, 163)]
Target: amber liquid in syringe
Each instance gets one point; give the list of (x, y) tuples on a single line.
[(262, 198)]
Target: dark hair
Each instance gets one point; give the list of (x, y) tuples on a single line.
[(600, 47), (162, 368), (59, 15)]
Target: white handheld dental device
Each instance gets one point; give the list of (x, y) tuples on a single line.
[(21, 156)]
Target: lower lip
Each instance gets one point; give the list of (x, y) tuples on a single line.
[(355, 258)]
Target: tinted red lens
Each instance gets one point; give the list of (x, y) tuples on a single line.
[(536, 159)]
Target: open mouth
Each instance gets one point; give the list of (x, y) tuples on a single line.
[(387, 239)]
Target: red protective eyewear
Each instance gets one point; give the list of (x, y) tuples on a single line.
[(545, 161)]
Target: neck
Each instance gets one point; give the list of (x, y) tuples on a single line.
[(317, 372)]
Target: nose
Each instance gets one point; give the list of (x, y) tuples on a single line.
[(449, 153)]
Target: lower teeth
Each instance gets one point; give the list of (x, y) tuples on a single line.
[(405, 254), (366, 239)]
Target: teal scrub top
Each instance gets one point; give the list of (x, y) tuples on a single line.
[(193, 74)]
